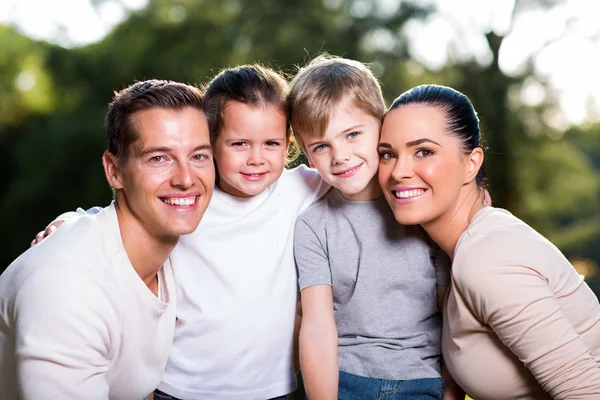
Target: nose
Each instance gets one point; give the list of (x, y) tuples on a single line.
[(256, 157), (182, 176), (340, 154), (403, 169)]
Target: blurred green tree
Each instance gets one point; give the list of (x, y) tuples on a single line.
[(53, 100)]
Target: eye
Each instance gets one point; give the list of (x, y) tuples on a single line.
[(273, 143), (199, 157), (386, 155), (239, 144), (320, 147), (156, 159), (424, 153), (352, 135)]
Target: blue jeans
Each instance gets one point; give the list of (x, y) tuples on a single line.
[(354, 387), (158, 395)]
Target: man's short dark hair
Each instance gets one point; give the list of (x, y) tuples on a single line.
[(145, 95)]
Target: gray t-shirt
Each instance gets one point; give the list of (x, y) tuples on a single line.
[(383, 277)]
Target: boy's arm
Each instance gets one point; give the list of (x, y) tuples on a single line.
[(58, 221), (318, 334), (62, 328), (318, 344), (297, 325)]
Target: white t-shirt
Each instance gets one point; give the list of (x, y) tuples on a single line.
[(77, 321), (237, 293)]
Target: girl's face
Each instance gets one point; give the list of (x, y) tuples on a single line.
[(251, 149), (422, 168)]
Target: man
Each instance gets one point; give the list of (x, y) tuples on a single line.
[(90, 313)]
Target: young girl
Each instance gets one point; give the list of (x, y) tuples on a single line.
[(236, 278)]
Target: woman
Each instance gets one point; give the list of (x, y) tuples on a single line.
[(519, 322)]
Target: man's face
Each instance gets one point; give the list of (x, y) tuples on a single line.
[(167, 181)]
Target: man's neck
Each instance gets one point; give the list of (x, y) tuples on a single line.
[(147, 253)]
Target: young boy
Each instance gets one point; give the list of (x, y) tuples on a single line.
[(371, 322)]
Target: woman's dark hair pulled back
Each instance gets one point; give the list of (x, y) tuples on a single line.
[(462, 120)]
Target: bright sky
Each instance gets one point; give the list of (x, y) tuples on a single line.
[(571, 60)]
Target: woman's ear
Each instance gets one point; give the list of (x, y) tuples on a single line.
[(112, 170), (474, 162)]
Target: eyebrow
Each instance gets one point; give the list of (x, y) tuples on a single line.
[(420, 141), (151, 150), (244, 139), (320, 140), (352, 128)]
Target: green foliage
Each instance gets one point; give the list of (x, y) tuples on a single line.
[(52, 102)]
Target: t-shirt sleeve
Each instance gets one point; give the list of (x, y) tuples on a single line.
[(311, 256), (442, 265), (77, 213), (518, 304), (62, 335), (304, 185)]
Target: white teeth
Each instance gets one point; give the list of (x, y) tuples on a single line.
[(181, 201), (405, 194)]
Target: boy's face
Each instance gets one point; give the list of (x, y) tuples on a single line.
[(346, 156)]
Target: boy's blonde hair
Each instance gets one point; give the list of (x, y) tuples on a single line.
[(322, 85)]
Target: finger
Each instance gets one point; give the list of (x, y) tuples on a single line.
[(32, 243), (40, 236), (49, 230)]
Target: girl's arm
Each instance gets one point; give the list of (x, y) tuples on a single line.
[(318, 344)]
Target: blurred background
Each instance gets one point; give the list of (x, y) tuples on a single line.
[(529, 66)]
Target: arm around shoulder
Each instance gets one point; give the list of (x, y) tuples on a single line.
[(306, 185)]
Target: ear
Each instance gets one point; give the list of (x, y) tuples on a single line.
[(474, 162), (112, 170)]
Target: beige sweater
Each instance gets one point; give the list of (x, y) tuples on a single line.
[(519, 322)]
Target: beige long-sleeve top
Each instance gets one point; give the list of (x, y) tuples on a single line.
[(519, 322)]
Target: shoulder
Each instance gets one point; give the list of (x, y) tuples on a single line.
[(31, 286), (301, 173), (73, 255), (500, 258), (302, 183), (314, 213)]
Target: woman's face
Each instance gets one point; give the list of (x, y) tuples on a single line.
[(421, 166)]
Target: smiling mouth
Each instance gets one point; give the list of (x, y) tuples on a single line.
[(254, 176), (349, 172), (407, 194), (183, 202)]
